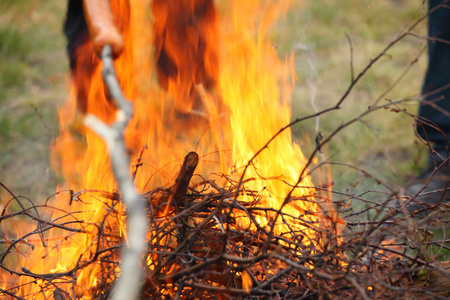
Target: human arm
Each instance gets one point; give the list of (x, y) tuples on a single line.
[(102, 28)]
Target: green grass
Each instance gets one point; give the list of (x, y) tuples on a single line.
[(14, 52), (33, 72), (382, 143)]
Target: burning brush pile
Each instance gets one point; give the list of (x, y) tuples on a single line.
[(239, 217), (221, 242)]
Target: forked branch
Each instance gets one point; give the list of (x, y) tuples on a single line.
[(130, 281)]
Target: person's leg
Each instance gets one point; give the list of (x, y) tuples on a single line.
[(79, 51), (433, 183), (75, 29), (435, 106)]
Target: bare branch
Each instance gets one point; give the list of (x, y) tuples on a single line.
[(130, 281)]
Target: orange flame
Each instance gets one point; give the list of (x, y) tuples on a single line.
[(185, 50), (220, 89)]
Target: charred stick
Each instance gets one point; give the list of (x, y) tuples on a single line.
[(197, 207), (184, 178), (12, 295), (176, 276), (266, 284), (212, 183), (358, 287), (49, 276)]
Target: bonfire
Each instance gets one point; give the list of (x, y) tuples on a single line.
[(193, 187)]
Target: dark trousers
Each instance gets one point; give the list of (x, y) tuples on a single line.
[(75, 29), (82, 61), (435, 106)]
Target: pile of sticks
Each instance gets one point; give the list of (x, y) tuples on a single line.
[(197, 249)]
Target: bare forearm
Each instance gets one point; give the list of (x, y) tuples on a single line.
[(102, 28)]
